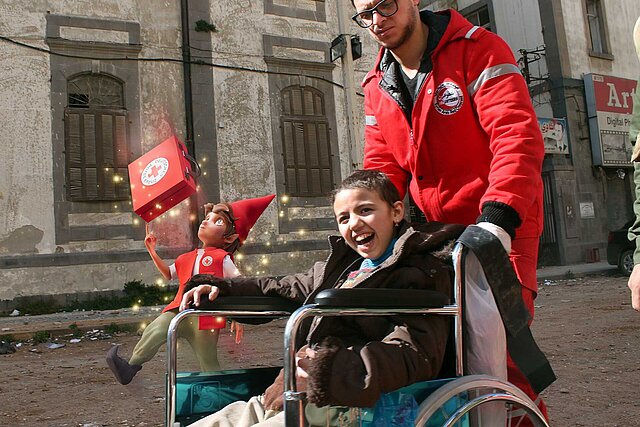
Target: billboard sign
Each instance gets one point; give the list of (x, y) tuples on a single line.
[(609, 107)]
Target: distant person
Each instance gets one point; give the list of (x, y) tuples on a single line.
[(634, 230), (223, 230), (448, 116), (350, 361)]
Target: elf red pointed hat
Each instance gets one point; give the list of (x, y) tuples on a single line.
[(246, 212)]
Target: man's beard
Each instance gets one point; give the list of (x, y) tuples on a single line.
[(406, 33)]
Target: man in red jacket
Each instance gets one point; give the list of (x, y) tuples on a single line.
[(448, 116)]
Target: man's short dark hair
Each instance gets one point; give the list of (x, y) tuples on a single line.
[(372, 180)]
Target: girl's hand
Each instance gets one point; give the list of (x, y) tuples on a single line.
[(303, 359), (195, 295), (239, 329), (150, 239)]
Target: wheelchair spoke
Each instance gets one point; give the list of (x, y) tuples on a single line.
[(478, 401)]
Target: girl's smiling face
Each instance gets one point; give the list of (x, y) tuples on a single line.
[(366, 221)]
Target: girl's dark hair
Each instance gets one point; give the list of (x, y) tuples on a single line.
[(371, 180)]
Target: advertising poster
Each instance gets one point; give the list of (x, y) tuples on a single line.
[(609, 106), (554, 133)]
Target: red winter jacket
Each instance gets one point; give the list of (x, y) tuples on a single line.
[(473, 136)]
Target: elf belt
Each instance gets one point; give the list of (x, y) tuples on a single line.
[(507, 292)]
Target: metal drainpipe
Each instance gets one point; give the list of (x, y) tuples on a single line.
[(188, 109)]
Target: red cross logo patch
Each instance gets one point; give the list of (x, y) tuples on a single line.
[(206, 261), (448, 98), (154, 171)]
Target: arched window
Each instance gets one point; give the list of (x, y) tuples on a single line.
[(305, 142), (96, 146)]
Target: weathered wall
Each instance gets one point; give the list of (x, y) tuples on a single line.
[(621, 16), (33, 261), (26, 196)]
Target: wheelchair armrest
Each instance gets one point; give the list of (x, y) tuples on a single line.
[(253, 303), (381, 298)]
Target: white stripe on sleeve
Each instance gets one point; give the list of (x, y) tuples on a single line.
[(491, 73), (471, 31)]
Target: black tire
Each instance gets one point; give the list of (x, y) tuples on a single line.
[(625, 264)]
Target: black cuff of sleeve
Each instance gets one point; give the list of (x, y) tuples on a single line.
[(501, 215)]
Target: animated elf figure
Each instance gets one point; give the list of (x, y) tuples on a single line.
[(223, 230)]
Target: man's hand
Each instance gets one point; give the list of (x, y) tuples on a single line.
[(196, 294), (634, 285), (499, 232)]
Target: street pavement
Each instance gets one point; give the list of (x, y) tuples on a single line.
[(23, 327)]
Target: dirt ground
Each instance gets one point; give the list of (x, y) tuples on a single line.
[(586, 327)]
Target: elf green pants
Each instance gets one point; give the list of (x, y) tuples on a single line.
[(203, 342)]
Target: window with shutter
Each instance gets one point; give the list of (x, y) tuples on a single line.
[(96, 145), (597, 27), (305, 142)]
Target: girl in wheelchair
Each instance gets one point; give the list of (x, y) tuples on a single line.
[(352, 361)]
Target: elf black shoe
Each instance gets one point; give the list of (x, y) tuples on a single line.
[(121, 369)]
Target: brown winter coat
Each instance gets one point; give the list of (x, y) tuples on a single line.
[(358, 358)]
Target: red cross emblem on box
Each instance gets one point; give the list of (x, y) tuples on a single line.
[(162, 178)]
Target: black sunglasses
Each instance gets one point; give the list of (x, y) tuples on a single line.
[(384, 8)]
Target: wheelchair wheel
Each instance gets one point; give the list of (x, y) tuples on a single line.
[(479, 401)]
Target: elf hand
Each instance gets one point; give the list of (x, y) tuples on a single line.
[(239, 330), (150, 239)]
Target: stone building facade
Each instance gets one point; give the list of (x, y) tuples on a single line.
[(252, 88), (89, 86)]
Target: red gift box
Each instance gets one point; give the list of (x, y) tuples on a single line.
[(162, 178)]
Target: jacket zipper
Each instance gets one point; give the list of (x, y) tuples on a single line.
[(409, 123)]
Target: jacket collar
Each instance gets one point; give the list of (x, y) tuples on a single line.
[(458, 28), (340, 249)]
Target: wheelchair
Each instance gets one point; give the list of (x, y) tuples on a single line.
[(460, 401)]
